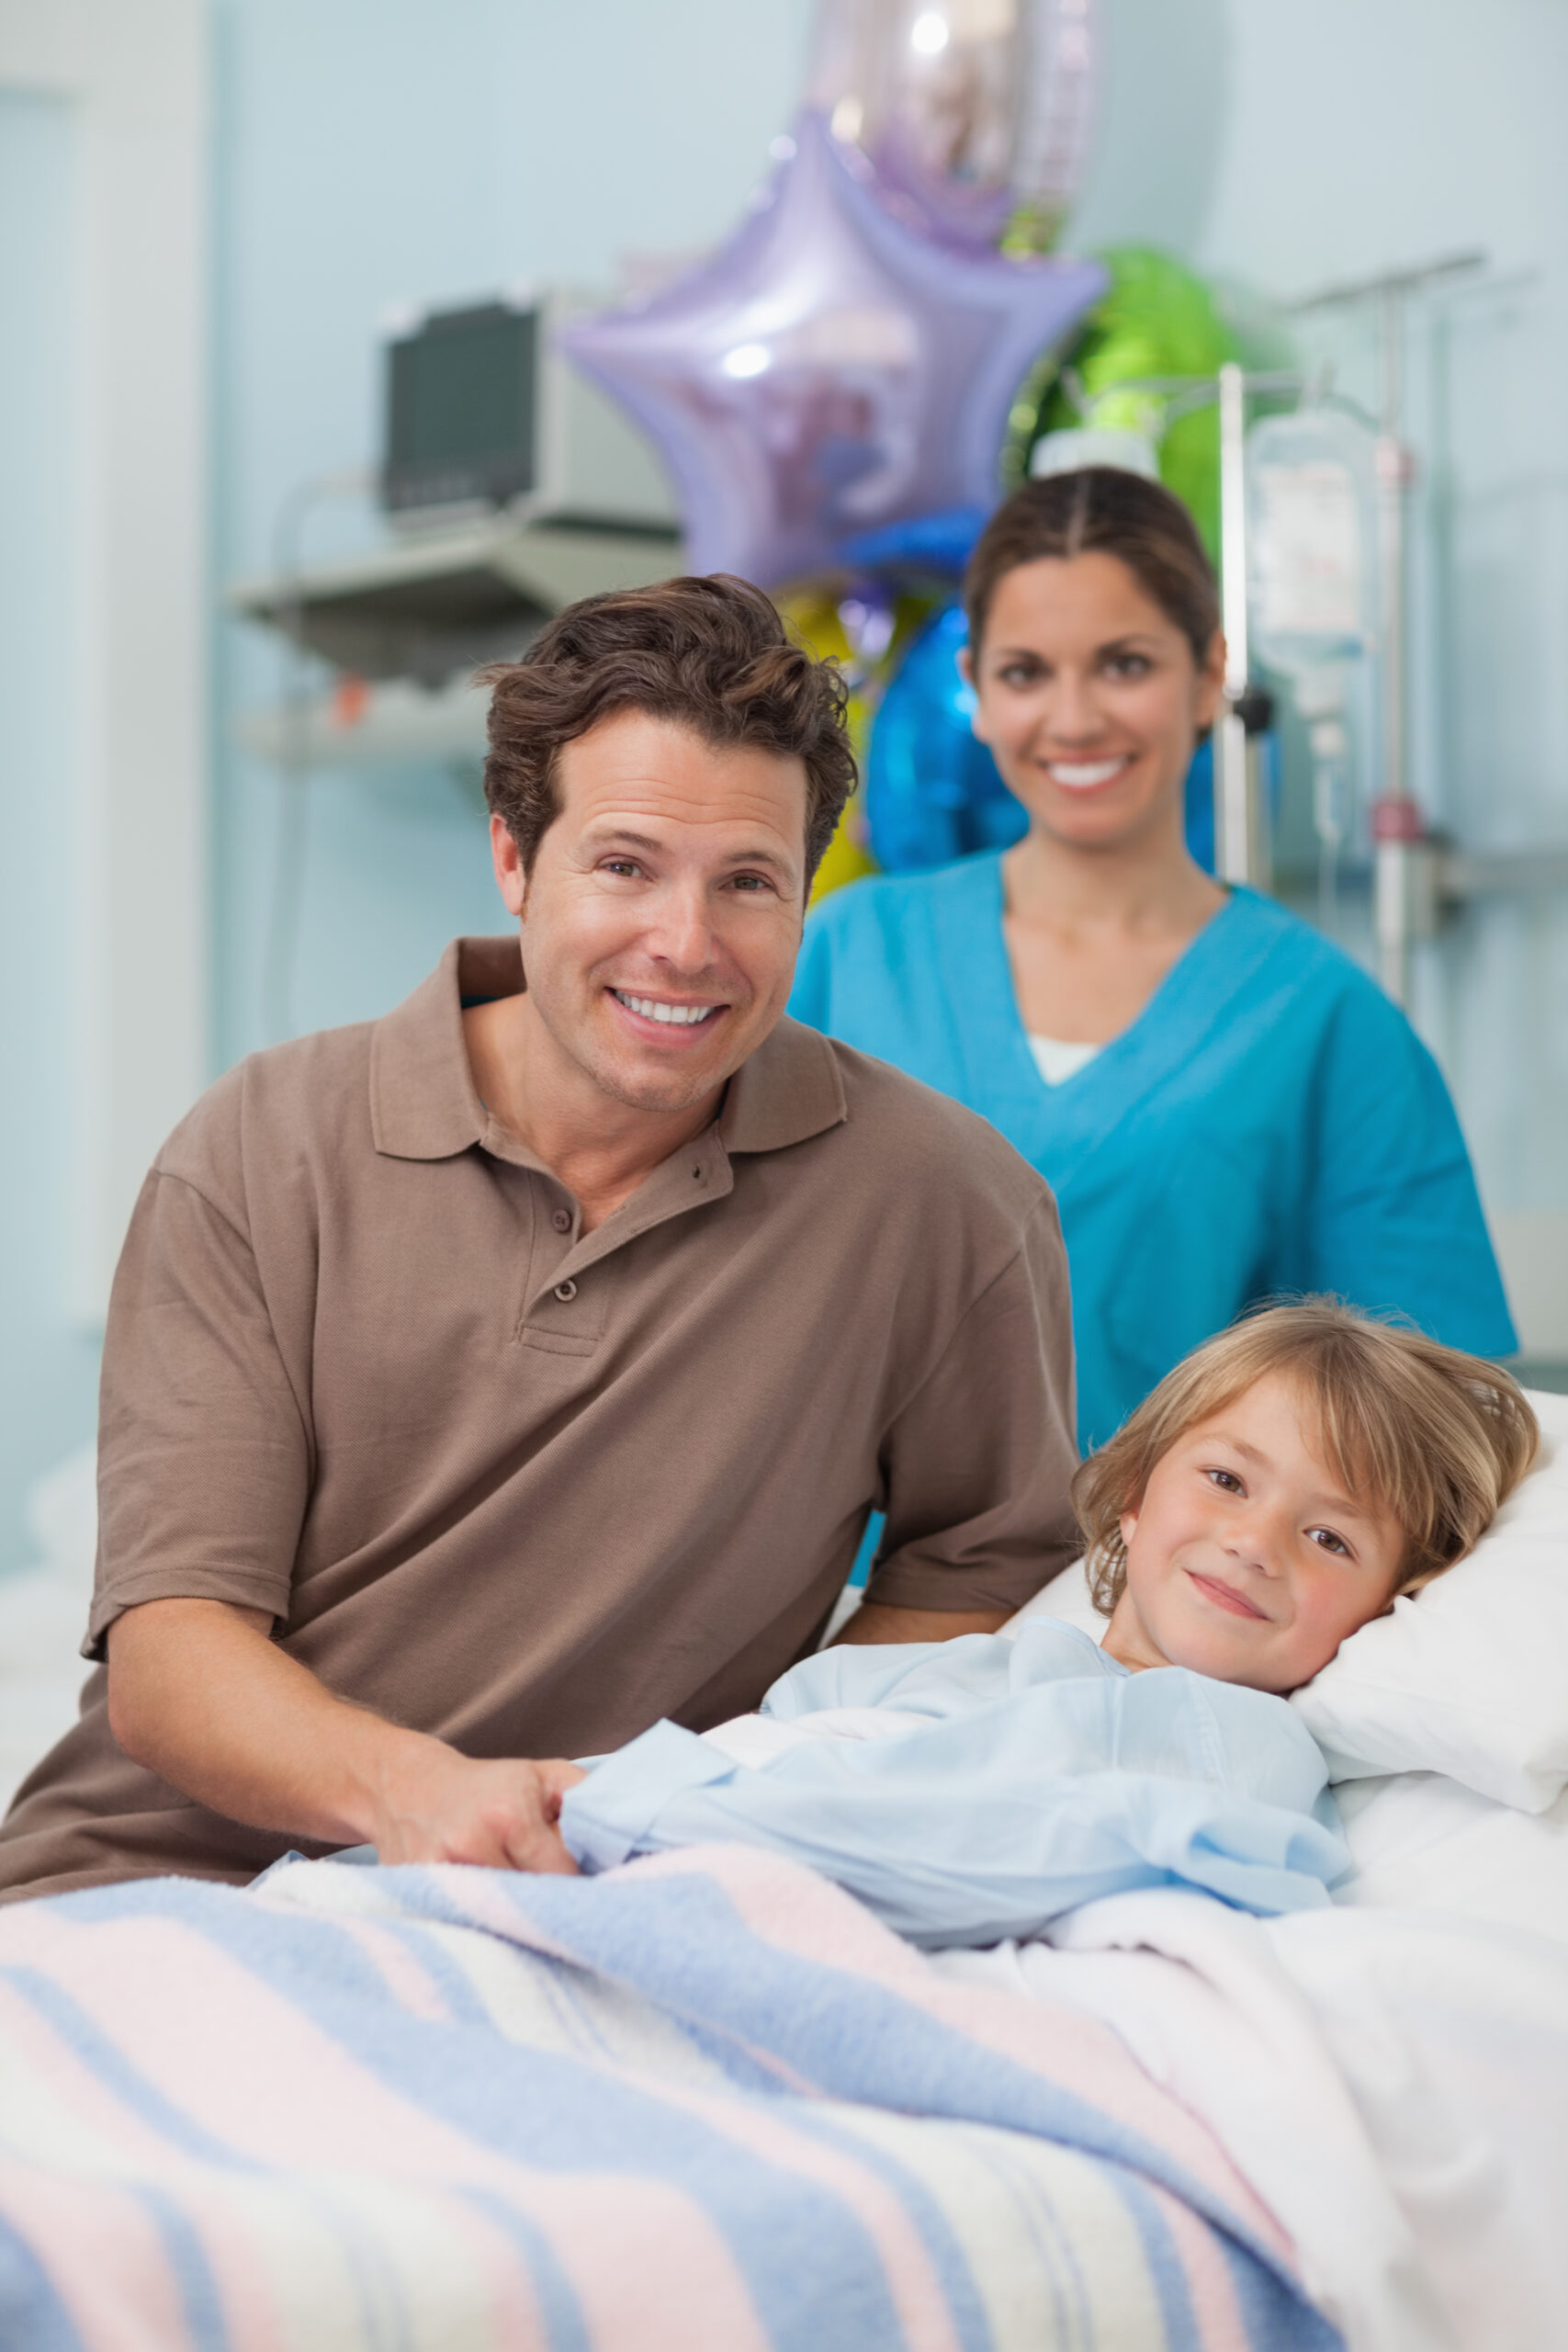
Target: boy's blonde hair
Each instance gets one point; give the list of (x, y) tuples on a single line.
[(1438, 1439)]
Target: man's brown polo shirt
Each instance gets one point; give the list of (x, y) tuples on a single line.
[(527, 1488)]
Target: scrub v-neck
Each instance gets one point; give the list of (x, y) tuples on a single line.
[(1057, 1127)]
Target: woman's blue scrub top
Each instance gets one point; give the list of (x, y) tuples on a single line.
[(1269, 1124)]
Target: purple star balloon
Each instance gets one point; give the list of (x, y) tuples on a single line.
[(829, 370)]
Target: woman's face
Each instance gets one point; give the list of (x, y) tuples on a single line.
[(1090, 698)]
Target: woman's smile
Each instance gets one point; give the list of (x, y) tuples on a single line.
[(1089, 775)]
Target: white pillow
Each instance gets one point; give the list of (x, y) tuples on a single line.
[(1422, 1843), (1470, 1676), (1067, 1597)]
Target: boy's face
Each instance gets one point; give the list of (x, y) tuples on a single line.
[(1246, 1560)]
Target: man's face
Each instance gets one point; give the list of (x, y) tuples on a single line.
[(663, 917)]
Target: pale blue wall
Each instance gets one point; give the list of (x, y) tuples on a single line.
[(372, 151), (48, 1370), (1288, 147)]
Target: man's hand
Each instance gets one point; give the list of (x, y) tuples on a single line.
[(202, 1694), (505, 1814)]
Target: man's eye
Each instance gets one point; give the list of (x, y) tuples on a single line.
[(1226, 1480), (620, 865), (751, 883), (1326, 1541)]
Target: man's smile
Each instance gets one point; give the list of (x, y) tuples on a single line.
[(665, 1011)]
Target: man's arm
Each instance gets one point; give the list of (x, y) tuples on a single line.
[(200, 1695), (978, 1463), (878, 1620), (205, 1476)]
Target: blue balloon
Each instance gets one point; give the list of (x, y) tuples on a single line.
[(1198, 806), (933, 793), (941, 543)]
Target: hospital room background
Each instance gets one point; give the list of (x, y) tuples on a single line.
[(216, 217)]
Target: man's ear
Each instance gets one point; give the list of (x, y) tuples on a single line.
[(507, 859)]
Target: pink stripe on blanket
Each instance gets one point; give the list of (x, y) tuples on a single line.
[(405, 1976), (91, 2153), (914, 2287), (92, 2148), (246, 2067), (62, 2221), (1209, 2279), (795, 1911)]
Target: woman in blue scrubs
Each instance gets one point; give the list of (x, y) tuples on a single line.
[(1225, 1107)]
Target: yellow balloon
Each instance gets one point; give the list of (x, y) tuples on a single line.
[(846, 858), (811, 616)]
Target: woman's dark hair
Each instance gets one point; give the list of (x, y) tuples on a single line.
[(1101, 510), (711, 654)]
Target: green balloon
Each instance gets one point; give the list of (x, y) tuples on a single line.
[(1157, 319)]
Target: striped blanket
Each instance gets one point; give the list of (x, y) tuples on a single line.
[(703, 2103)]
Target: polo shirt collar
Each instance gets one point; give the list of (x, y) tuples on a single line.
[(789, 1089), (423, 1105)]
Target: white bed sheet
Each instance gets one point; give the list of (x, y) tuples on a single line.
[(1394, 2083)]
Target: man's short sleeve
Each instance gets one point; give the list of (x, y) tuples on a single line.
[(978, 1463), (204, 1461)]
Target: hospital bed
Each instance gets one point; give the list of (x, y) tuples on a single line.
[(708, 2103)]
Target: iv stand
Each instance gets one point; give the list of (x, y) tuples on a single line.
[(1241, 833), (1241, 814), (1405, 874)]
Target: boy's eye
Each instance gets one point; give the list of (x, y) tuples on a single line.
[(1226, 1480), (1326, 1541)]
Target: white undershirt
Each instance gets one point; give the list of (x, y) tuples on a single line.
[(1058, 1061)]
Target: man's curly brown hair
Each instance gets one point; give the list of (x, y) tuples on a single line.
[(711, 654)]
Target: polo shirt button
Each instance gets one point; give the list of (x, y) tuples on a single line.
[(566, 1291), (561, 1220)]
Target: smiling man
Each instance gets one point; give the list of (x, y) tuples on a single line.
[(497, 1378)]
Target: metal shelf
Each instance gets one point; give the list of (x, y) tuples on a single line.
[(360, 726), (430, 606)]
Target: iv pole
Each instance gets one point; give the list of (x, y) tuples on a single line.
[(1406, 878), (1241, 843), (1241, 816)]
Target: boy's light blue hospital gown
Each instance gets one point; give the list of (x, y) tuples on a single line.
[(1038, 1773), (1269, 1124)]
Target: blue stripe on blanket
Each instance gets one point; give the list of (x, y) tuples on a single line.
[(679, 1939), (31, 2312), (645, 2035)]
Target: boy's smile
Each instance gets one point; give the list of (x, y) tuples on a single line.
[(1246, 1560)]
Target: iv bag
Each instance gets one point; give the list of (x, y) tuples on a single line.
[(1312, 539)]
